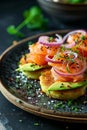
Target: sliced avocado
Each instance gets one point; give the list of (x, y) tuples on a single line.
[(66, 85), (30, 67), (33, 74)]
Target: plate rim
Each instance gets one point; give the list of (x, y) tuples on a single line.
[(42, 112), (66, 117)]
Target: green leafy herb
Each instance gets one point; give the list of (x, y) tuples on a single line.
[(59, 105), (63, 48), (51, 39), (70, 102), (75, 108), (14, 31), (83, 38), (76, 1), (67, 68), (33, 19)]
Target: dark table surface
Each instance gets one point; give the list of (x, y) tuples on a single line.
[(12, 117)]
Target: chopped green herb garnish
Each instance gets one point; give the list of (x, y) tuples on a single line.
[(70, 102), (67, 68), (76, 40), (51, 39), (63, 48), (59, 104), (74, 108), (83, 38)]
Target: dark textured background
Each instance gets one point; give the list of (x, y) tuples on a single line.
[(11, 13)]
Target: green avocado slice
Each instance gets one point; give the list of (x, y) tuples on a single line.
[(30, 67), (33, 74), (66, 85)]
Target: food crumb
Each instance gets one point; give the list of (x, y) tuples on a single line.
[(13, 109), (67, 127), (20, 120)]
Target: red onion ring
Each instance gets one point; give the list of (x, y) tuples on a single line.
[(75, 31), (72, 32), (70, 74), (45, 41), (70, 45), (48, 59), (73, 53)]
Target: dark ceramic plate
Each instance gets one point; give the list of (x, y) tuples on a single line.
[(27, 94)]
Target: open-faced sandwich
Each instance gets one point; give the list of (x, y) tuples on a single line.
[(33, 63), (60, 64)]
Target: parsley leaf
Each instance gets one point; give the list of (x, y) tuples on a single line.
[(33, 19)]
